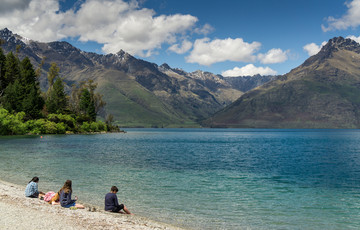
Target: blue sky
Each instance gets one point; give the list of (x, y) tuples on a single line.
[(229, 37)]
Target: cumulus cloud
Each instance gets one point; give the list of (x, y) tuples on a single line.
[(350, 19), (248, 70), (313, 49), (115, 23), (352, 37), (206, 29), (273, 56), (8, 6), (185, 47), (206, 52)]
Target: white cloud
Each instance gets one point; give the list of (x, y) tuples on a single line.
[(273, 56), (185, 47), (313, 49), (206, 52), (350, 19), (206, 29), (115, 23), (352, 37), (248, 70), (7, 6)]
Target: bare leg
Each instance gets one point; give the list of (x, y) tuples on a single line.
[(127, 210), (79, 206)]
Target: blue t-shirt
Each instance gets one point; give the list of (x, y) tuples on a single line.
[(111, 201), (31, 189), (65, 198)]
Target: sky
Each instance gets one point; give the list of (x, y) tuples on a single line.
[(227, 37)]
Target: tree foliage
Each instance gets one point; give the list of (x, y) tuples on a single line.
[(24, 109), (56, 101)]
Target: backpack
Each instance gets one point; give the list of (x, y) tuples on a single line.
[(48, 196)]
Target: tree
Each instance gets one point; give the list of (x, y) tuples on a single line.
[(38, 70), (12, 70), (2, 70), (99, 103), (53, 73), (86, 105), (33, 103), (28, 75), (13, 97), (84, 101), (56, 101)]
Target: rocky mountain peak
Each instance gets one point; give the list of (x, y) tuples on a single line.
[(13, 39), (340, 43), (6, 33), (333, 45), (165, 66)]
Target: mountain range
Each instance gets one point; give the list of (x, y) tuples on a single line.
[(138, 93), (323, 92)]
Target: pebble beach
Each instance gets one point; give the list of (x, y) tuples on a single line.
[(19, 212)]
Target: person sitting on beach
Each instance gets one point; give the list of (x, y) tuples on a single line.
[(55, 199), (52, 197), (31, 189), (112, 204), (65, 196)]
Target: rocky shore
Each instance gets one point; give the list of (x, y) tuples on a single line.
[(19, 212)]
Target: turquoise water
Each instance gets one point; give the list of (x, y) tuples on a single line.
[(204, 178)]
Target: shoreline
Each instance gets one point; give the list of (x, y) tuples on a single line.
[(20, 212)]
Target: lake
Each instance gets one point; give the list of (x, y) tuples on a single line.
[(203, 178)]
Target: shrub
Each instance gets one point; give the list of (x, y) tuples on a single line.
[(85, 127), (36, 126), (61, 128), (12, 124), (50, 127)]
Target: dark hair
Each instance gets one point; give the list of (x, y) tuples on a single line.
[(34, 179), (114, 189), (67, 186)]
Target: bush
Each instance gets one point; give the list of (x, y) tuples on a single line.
[(68, 120), (12, 124), (61, 128), (102, 126), (50, 127), (36, 126), (85, 127)]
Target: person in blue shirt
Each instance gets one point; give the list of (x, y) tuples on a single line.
[(112, 204), (31, 189), (65, 196)]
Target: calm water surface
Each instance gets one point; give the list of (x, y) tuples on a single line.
[(204, 178)]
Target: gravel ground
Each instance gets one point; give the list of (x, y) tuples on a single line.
[(19, 212)]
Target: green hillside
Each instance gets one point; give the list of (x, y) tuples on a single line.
[(324, 92)]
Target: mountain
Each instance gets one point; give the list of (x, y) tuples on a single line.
[(138, 93), (324, 92)]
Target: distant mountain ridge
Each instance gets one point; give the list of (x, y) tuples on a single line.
[(323, 92), (138, 93)]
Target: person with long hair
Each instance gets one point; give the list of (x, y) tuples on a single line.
[(65, 196), (31, 189)]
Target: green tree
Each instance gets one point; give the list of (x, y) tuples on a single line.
[(33, 103), (13, 97), (56, 101), (2, 70), (12, 70), (52, 74), (85, 102), (99, 103), (38, 70), (86, 105), (28, 75)]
